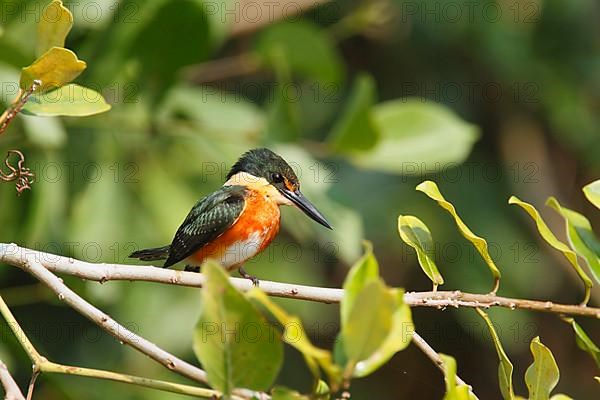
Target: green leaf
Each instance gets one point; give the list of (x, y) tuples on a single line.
[(416, 234), (365, 270), (560, 397), (283, 393), (369, 322), (431, 190), (417, 136), (554, 242), (453, 391), (592, 192), (306, 48), (54, 26), (584, 342), (355, 129), (398, 339), (232, 340), (581, 237), (295, 335), (322, 391), (54, 68), (69, 100), (541, 376), (505, 368)]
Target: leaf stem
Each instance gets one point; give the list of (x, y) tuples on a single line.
[(17, 104)]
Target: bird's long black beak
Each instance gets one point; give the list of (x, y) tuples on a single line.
[(306, 206)]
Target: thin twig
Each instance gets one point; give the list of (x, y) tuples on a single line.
[(433, 355), (15, 255), (34, 376), (19, 102), (135, 380), (11, 389), (34, 356)]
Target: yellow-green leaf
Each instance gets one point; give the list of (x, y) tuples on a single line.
[(398, 339), (592, 192), (453, 391), (541, 376), (584, 342), (69, 100), (431, 190), (322, 391), (580, 235), (232, 340), (54, 26), (295, 335), (365, 270), (54, 68), (505, 368), (554, 242), (561, 397), (416, 234), (369, 322)]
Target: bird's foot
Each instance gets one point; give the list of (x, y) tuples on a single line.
[(244, 274), (192, 268)]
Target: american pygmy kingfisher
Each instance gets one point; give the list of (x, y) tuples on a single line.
[(240, 219)]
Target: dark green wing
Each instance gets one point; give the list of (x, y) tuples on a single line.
[(209, 218)]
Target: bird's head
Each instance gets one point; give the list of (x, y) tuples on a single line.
[(265, 170)]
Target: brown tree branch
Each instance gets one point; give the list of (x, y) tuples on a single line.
[(15, 255)]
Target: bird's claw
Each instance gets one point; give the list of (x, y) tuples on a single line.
[(244, 274)]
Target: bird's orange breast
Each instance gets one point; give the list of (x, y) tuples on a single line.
[(254, 229)]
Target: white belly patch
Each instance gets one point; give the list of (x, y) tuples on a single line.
[(242, 250)]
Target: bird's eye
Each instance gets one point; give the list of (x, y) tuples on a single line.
[(276, 177)]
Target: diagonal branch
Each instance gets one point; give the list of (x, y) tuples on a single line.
[(434, 357), (109, 324), (15, 255), (11, 390)]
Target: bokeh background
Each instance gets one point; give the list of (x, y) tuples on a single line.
[(366, 99)]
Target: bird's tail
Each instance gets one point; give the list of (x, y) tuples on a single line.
[(157, 253)]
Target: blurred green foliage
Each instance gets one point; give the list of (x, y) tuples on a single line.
[(365, 100)]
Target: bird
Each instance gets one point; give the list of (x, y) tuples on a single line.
[(240, 219)]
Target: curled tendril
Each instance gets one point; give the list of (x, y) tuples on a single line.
[(21, 174)]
